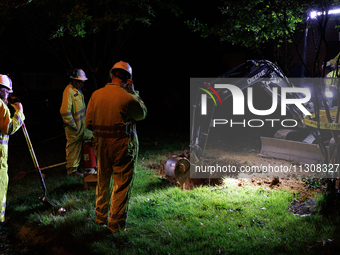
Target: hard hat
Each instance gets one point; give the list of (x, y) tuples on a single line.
[(78, 74), (6, 82), (122, 65)]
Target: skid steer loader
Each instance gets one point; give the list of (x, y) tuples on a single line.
[(300, 144)]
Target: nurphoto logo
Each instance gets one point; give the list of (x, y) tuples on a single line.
[(238, 99)]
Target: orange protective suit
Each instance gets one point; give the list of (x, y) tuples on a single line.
[(111, 114)]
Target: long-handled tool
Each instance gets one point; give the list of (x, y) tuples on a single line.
[(22, 174), (35, 161)]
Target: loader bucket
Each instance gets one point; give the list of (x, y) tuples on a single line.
[(291, 150)]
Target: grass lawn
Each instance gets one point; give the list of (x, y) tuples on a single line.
[(163, 219)]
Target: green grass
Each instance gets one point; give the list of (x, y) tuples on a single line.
[(163, 219)]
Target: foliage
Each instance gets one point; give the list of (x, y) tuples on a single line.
[(252, 23), (77, 18), (312, 182), (88, 34)]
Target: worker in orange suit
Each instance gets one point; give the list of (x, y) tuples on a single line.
[(72, 111), (8, 126), (112, 114)]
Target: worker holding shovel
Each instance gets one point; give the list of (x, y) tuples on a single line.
[(8, 126)]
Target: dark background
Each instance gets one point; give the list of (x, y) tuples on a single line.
[(163, 57)]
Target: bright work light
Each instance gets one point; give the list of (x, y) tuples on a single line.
[(314, 14), (329, 94)]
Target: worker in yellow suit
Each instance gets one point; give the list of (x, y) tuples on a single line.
[(112, 112), (73, 111), (334, 61), (8, 126)]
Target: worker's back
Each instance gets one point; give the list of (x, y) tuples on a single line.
[(111, 108)]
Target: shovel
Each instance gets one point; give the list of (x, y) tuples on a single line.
[(30, 147)]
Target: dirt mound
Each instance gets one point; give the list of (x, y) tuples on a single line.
[(285, 181)]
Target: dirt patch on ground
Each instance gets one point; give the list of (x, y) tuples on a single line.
[(278, 180)]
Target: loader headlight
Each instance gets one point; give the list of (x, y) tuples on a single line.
[(328, 94)]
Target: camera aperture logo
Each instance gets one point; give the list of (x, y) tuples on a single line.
[(286, 99)]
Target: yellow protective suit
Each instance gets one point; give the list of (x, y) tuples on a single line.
[(8, 126), (72, 111), (335, 60), (331, 78), (111, 114)]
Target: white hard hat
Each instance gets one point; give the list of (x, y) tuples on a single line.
[(122, 65), (6, 82), (78, 74)]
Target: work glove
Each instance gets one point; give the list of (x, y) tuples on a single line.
[(129, 87), (18, 107), (88, 134)]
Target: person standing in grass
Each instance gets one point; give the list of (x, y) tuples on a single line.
[(72, 111), (8, 126), (111, 113)]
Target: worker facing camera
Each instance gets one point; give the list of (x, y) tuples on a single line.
[(78, 84), (73, 111), (8, 126)]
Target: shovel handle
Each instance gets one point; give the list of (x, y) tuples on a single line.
[(30, 146), (35, 161)]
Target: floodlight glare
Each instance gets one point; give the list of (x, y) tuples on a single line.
[(314, 14), (329, 94)]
